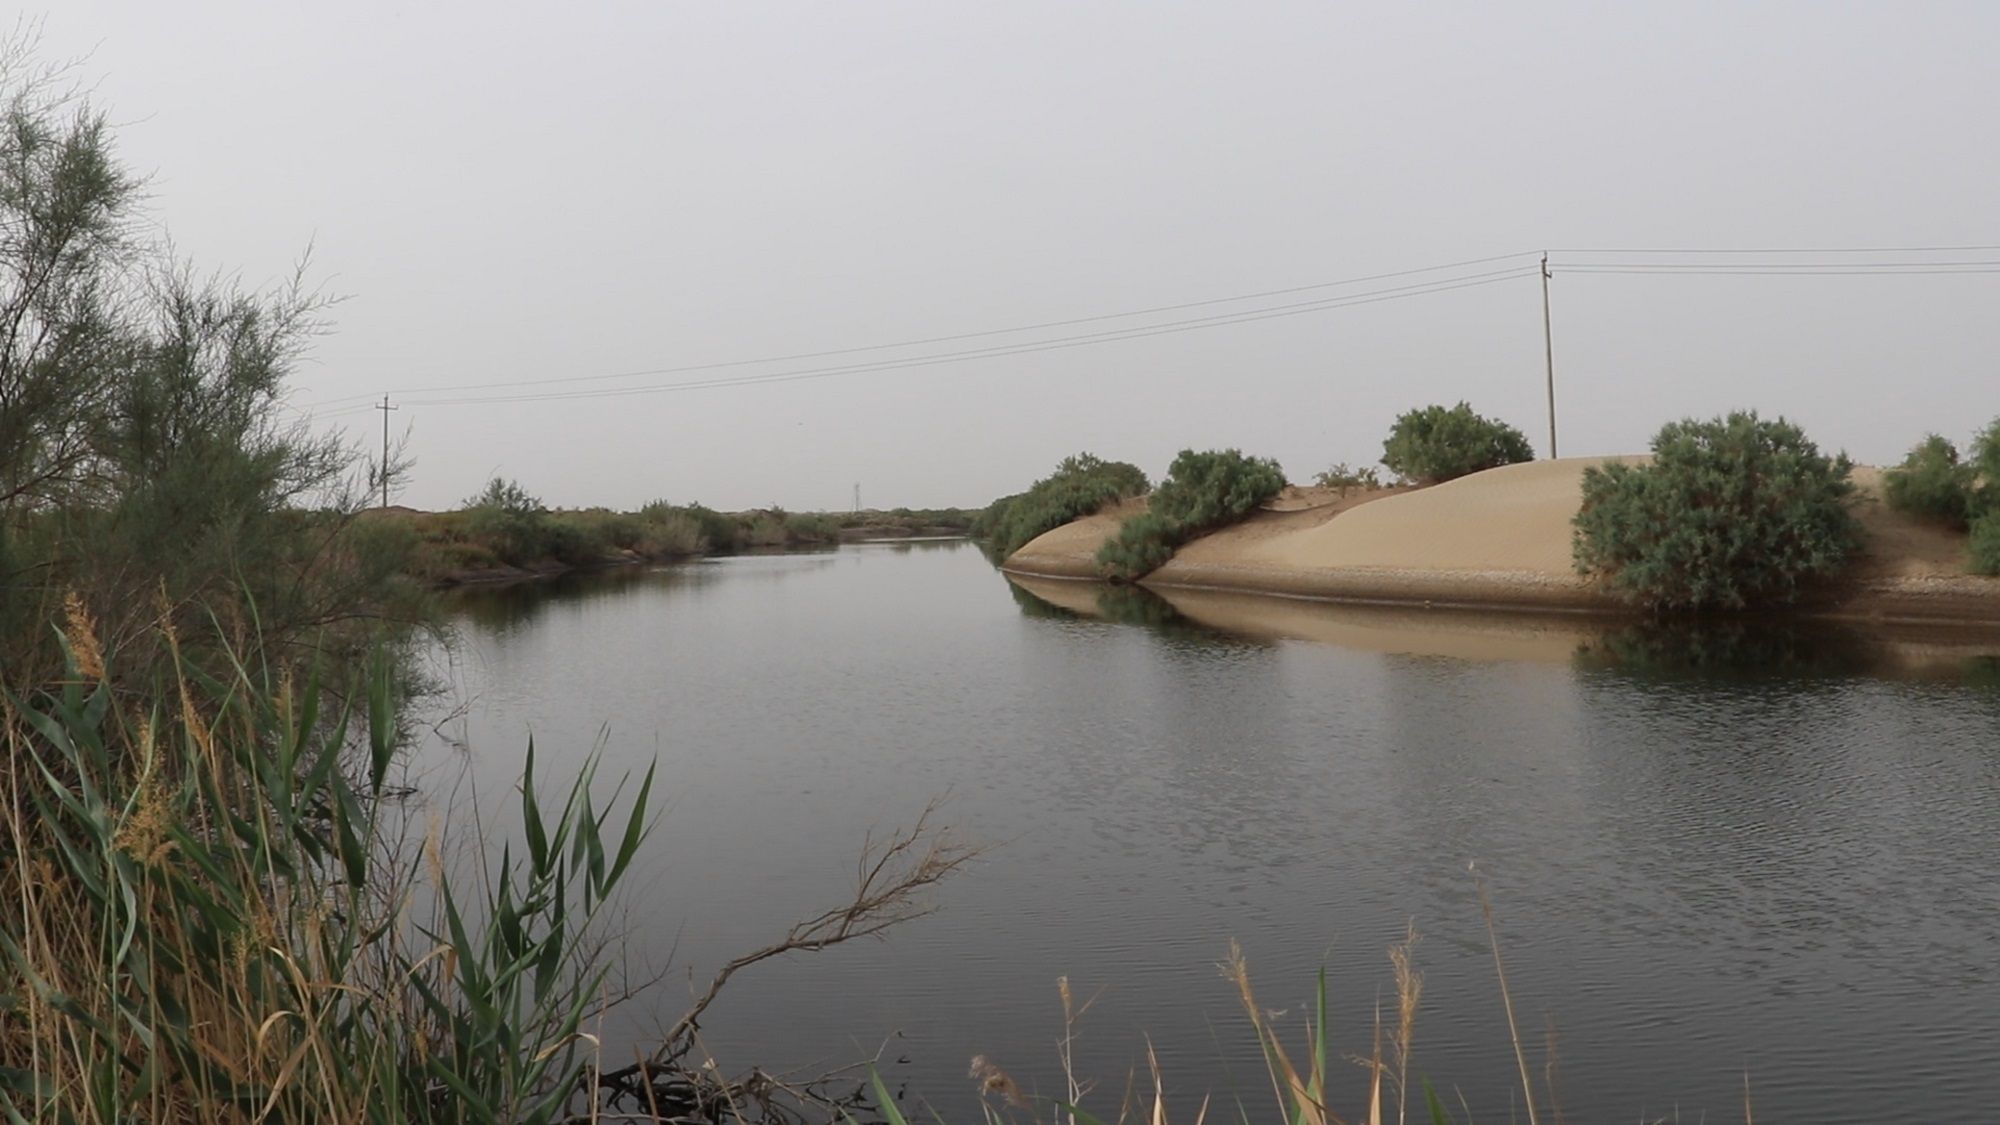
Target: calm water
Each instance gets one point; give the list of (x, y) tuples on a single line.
[(1697, 873)]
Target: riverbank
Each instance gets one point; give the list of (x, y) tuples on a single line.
[(444, 550), (1498, 540)]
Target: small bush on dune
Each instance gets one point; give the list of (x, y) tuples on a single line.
[(1206, 490), (1143, 544), (1932, 483), (1346, 478), (1202, 492), (1080, 486), (1437, 443), (1732, 513)]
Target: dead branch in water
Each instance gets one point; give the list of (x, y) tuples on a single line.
[(889, 879)]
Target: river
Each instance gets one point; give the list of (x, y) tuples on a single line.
[(1703, 871)]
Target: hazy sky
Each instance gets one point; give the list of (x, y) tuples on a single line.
[(536, 191)]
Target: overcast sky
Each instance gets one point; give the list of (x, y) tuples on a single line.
[(514, 192)]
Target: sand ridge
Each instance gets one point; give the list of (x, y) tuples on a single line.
[(1497, 539)]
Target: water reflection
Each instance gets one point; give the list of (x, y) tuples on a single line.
[(503, 606), (1773, 648), (1701, 649)]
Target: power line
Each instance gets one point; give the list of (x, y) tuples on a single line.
[(1771, 271), (1787, 250), (1060, 343), (1784, 265), (1865, 267), (828, 353)]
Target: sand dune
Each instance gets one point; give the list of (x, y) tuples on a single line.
[(1497, 539)]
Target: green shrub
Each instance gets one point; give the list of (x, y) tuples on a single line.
[(1080, 486), (1984, 544), (802, 527), (1732, 513), (1932, 483), (1143, 544), (1985, 459), (674, 534), (1202, 492), (512, 523), (987, 524), (1346, 478), (1206, 490), (1436, 444)]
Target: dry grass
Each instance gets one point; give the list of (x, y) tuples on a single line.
[(1298, 1074)]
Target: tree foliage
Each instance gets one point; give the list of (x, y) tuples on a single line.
[(1201, 492), (1438, 443), (1731, 513), (1985, 458), (144, 459), (1932, 483), (1080, 486), (1984, 544)]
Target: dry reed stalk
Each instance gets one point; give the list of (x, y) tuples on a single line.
[(1306, 1095), (1409, 991), (1506, 997)]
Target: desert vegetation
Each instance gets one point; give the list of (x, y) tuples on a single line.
[(1079, 486), (1731, 513), (1934, 483), (1201, 492), (504, 531), (1433, 444), (1344, 478)]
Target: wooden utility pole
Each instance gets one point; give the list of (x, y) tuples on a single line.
[(1549, 354), (385, 408)]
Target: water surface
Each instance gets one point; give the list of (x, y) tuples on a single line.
[(1700, 871)]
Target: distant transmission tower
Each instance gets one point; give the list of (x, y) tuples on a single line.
[(857, 496)]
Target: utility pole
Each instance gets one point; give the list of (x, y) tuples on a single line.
[(1549, 354), (385, 408)]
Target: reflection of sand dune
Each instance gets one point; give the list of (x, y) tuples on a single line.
[(1551, 638), (1398, 629), (1498, 539)]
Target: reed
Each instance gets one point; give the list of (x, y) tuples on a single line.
[(211, 915)]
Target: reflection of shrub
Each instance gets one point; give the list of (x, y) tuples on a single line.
[(1136, 605), (1202, 492), (1984, 543), (1761, 648), (1437, 443), (1931, 483), (1080, 486), (1732, 513), (1034, 606)]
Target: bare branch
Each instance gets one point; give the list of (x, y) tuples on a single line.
[(890, 877)]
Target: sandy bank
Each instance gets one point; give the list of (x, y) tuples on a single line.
[(1497, 540)]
